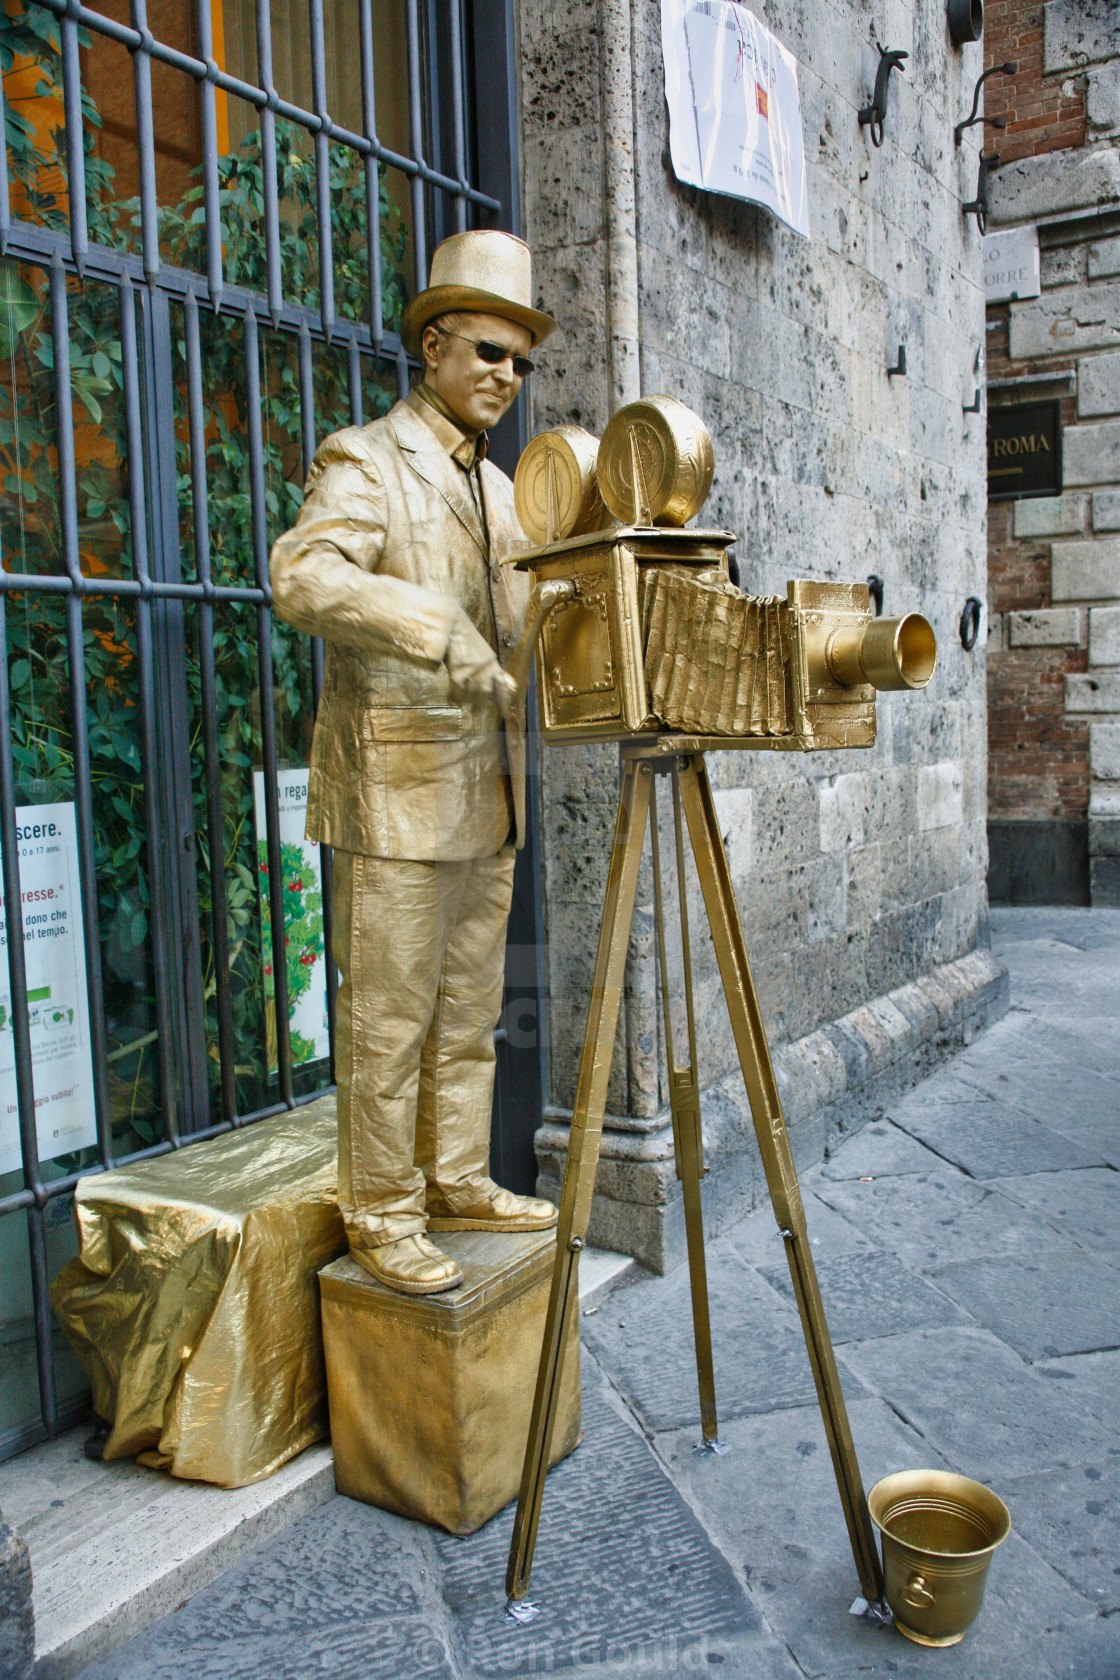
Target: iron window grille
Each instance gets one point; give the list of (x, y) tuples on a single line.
[(163, 312)]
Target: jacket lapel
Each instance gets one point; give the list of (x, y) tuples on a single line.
[(428, 458)]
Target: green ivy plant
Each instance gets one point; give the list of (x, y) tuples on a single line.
[(30, 528)]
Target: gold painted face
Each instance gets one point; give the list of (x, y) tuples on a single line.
[(478, 392)]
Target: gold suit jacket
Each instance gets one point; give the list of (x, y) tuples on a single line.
[(387, 545)]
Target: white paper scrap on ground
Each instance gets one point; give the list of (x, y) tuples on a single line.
[(734, 109), (57, 1003)]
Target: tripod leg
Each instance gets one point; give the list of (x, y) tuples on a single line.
[(583, 1157), (684, 1104), (777, 1158)]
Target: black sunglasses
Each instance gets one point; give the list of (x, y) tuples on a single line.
[(492, 354)]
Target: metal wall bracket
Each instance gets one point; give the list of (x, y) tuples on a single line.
[(875, 590), (970, 622), (875, 114), (973, 118), (978, 206), (974, 406), (899, 368)]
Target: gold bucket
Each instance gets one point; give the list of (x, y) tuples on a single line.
[(939, 1532)]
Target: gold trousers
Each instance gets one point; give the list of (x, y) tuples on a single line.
[(421, 949)]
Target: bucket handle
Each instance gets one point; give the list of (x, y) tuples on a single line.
[(917, 1593)]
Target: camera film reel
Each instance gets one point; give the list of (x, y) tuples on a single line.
[(555, 488), (655, 463)]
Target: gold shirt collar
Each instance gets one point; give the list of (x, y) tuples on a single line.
[(446, 425)]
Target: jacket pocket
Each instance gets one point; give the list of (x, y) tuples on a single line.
[(413, 723)]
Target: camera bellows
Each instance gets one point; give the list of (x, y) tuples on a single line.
[(716, 661)]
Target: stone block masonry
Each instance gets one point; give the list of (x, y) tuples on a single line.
[(17, 1617), (856, 874)]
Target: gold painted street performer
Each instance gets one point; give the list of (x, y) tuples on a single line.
[(418, 762)]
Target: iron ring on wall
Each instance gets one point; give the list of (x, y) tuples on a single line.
[(970, 623)]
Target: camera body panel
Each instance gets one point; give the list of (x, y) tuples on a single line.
[(599, 649)]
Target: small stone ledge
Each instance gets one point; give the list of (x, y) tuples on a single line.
[(17, 1618), (830, 1083)]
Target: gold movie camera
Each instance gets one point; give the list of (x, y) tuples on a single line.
[(638, 628), (641, 637)]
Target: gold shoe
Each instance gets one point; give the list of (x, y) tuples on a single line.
[(412, 1265), (496, 1210)]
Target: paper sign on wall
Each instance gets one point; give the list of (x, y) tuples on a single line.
[(734, 110), (302, 888), (57, 1003), (1011, 264)]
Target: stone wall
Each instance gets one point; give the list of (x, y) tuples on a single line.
[(1054, 562), (17, 1618), (856, 873)]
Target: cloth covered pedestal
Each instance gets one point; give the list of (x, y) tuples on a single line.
[(193, 1304), (431, 1394)]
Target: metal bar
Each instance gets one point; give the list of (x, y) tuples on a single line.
[(79, 722), (354, 380), (268, 163), (5, 202), (686, 959), (177, 861), (211, 197), (75, 142), (402, 374), (17, 964), (41, 1308), (268, 710), (34, 1196), (126, 588), (145, 142), (208, 697), (146, 680), (684, 1096), (684, 1109), (584, 1139), (416, 137), (322, 167), (306, 400), (31, 243), (373, 173), (663, 965), (777, 1158), (326, 856), (260, 97), (458, 128)]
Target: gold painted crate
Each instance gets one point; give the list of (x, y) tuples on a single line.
[(430, 1395)]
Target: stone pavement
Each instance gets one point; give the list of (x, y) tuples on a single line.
[(968, 1245)]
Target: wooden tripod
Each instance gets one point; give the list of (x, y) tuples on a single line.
[(683, 760)]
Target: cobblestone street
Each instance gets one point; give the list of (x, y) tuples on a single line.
[(968, 1245)]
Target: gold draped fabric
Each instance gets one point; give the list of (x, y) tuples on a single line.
[(193, 1304)]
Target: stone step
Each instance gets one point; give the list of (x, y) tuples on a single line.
[(114, 1546)]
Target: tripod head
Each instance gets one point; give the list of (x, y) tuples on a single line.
[(638, 629)]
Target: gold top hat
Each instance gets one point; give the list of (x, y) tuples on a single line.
[(485, 271)]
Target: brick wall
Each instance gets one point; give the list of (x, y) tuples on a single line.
[(1053, 564), (1044, 112)]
